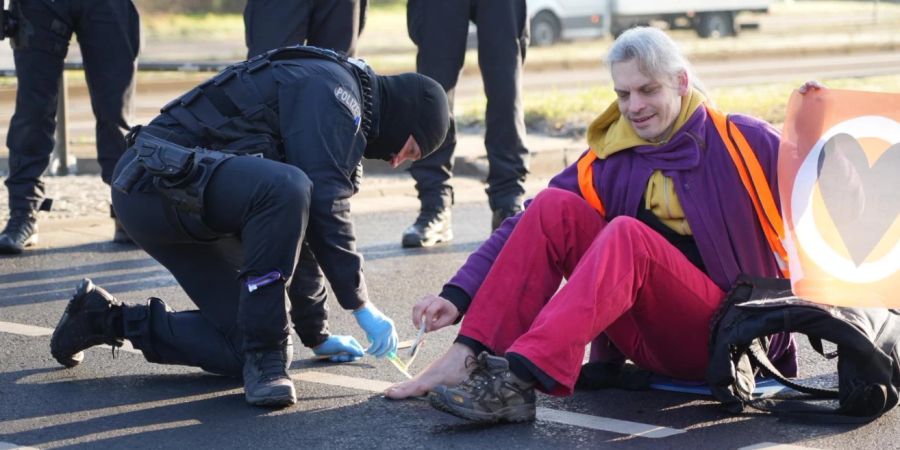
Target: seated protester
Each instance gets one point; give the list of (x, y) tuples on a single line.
[(241, 189), (650, 228)]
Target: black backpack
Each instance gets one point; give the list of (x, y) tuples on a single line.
[(866, 339)]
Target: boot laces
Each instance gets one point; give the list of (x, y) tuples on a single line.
[(271, 365), (479, 379), (430, 216)]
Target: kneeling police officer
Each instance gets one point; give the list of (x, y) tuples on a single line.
[(240, 188)]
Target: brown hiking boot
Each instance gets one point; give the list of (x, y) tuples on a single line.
[(492, 393)]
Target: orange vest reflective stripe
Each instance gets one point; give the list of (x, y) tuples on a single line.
[(751, 174), (586, 181)]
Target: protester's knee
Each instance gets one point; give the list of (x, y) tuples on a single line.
[(557, 204), (624, 229), (624, 226)]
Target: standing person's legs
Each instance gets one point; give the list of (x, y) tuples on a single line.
[(271, 24), (439, 30), (502, 41), (335, 25), (39, 48), (108, 32)]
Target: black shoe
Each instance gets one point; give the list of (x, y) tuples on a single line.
[(89, 320), (501, 214), (431, 227), (20, 232), (266, 382), (492, 393)]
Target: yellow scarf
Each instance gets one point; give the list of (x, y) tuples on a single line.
[(610, 133)]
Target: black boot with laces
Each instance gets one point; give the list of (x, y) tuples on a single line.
[(266, 382), (430, 228), (92, 317), (20, 232)]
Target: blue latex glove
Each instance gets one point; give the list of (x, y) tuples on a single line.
[(379, 329), (340, 349)]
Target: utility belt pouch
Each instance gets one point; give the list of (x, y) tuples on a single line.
[(186, 190), (179, 173), (153, 156)]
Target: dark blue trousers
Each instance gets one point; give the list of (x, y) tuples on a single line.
[(108, 34), (440, 30)]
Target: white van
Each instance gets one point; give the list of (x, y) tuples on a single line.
[(553, 20)]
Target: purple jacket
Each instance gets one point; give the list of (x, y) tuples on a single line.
[(706, 181)]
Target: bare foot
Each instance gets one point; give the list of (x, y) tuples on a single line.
[(450, 369)]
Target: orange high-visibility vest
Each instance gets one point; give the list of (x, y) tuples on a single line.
[(749, 170)]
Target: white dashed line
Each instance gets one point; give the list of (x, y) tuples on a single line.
[(25, 330), (544, 414), (119, 432), (8, 446), (775, 446), (606, 424), (342, 381), (29, 330)]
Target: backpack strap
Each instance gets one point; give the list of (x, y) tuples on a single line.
[(799, 408)]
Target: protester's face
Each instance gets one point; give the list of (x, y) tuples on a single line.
[(650, 105), (410, 151)]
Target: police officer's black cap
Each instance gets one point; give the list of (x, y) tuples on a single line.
[(409, 104)]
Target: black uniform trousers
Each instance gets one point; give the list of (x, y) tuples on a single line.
[(108, 34), (255, 215), (440, 30), (333, 24)]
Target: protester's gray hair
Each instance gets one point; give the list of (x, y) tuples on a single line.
[(657, 55)]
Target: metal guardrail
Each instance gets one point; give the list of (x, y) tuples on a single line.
[(59, 159)]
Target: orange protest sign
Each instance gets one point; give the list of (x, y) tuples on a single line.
[(839, 183)]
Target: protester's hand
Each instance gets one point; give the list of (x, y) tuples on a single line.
[(339, 349), (811, 85), (436, 311), (379, 329)]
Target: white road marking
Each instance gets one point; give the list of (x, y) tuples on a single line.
[(775, 446), (38, 422), (25, 330), (8, 446), (118, 432), (544, 414), (361, 384), (375, 386), (606, 424), (29, 330)]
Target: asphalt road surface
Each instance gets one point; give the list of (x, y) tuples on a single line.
[(121, 401)]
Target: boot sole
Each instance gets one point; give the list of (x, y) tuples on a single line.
[(410, 241), (512, 414), (30, 242), (283, 400), (74, 306)]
